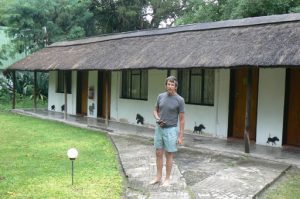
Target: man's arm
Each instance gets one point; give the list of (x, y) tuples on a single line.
[(157, 117), (156, 114), (181, 128)]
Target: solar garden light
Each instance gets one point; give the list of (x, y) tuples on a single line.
[(72, 155)]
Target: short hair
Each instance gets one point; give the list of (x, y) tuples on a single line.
[(172, 79)]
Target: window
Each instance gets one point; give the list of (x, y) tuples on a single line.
[(135, 84), (61, 81), (196, 86)]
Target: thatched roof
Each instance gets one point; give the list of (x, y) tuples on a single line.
[(271, 41)]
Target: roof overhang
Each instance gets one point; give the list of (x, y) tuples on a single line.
[(270, 41)]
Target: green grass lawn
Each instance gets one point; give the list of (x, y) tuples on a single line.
[(34, 163), (21, 102), (288, 187)]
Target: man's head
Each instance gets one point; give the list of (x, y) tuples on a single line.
[(171, 84), (172, 79)]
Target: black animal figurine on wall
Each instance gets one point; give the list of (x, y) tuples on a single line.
[(139, 119), (53, 108), (62, 108), (198, 128), (272, 140), (92, 108)]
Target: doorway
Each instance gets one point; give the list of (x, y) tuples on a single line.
[(291, 135), (238, 97), (82, 92)]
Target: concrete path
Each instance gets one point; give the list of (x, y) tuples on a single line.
[(138, 161), (195, 174)]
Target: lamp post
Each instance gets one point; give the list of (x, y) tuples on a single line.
[(72, 155)]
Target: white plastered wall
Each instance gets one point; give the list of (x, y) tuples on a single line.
[(222, 90), (215, 118), (58, 99), (270, 110), (125, 110)]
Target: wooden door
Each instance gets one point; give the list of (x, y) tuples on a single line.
[(82, 92), (239, 96), (104, 94), (293, 108)]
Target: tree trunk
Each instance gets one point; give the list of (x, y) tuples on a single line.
[(106, 99), (66, 96), (34, 90), (14, 90)]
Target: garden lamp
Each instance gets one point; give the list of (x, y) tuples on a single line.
[(72, 155)]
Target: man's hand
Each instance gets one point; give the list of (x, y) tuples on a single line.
[(161, 123), (180, 139)]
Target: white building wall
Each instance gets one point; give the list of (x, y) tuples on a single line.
[(270, 110), (58, 99), (215, 118), (125, 110), (222, 102), (92, 83)]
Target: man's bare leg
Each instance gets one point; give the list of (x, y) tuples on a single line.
[(169, 162), (159, 166)]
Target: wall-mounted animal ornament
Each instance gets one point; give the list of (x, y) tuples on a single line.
[(198, 129), (272, 140), (53, 108), (92, 108), (139, 119)]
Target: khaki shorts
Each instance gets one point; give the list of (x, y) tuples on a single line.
[(166, 138)]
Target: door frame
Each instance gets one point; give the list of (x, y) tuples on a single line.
[(79, 93), (232, 102)]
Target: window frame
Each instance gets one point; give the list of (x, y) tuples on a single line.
[(126, 93), (61, 82), (203, 75)]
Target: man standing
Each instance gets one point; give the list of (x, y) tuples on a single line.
[(169, 106)]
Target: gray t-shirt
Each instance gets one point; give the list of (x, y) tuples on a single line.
[(169, 107)]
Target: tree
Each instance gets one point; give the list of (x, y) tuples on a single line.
[(215, 10), (4, 5), (63, 19), (165, 10), (128, 15), (73, 19)]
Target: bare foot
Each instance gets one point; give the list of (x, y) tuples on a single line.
[(155, 181), (166, 183)]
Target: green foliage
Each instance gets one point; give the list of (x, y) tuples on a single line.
[(165, 10), (36, 23), (34, 162), (3, 53), (4, 5), (121, 15), (214, 10), (24, 86), (4, 91), (76, 32), (65, 19)]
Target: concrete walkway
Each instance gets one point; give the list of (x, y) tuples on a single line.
[(195, 174), (204, 167)]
